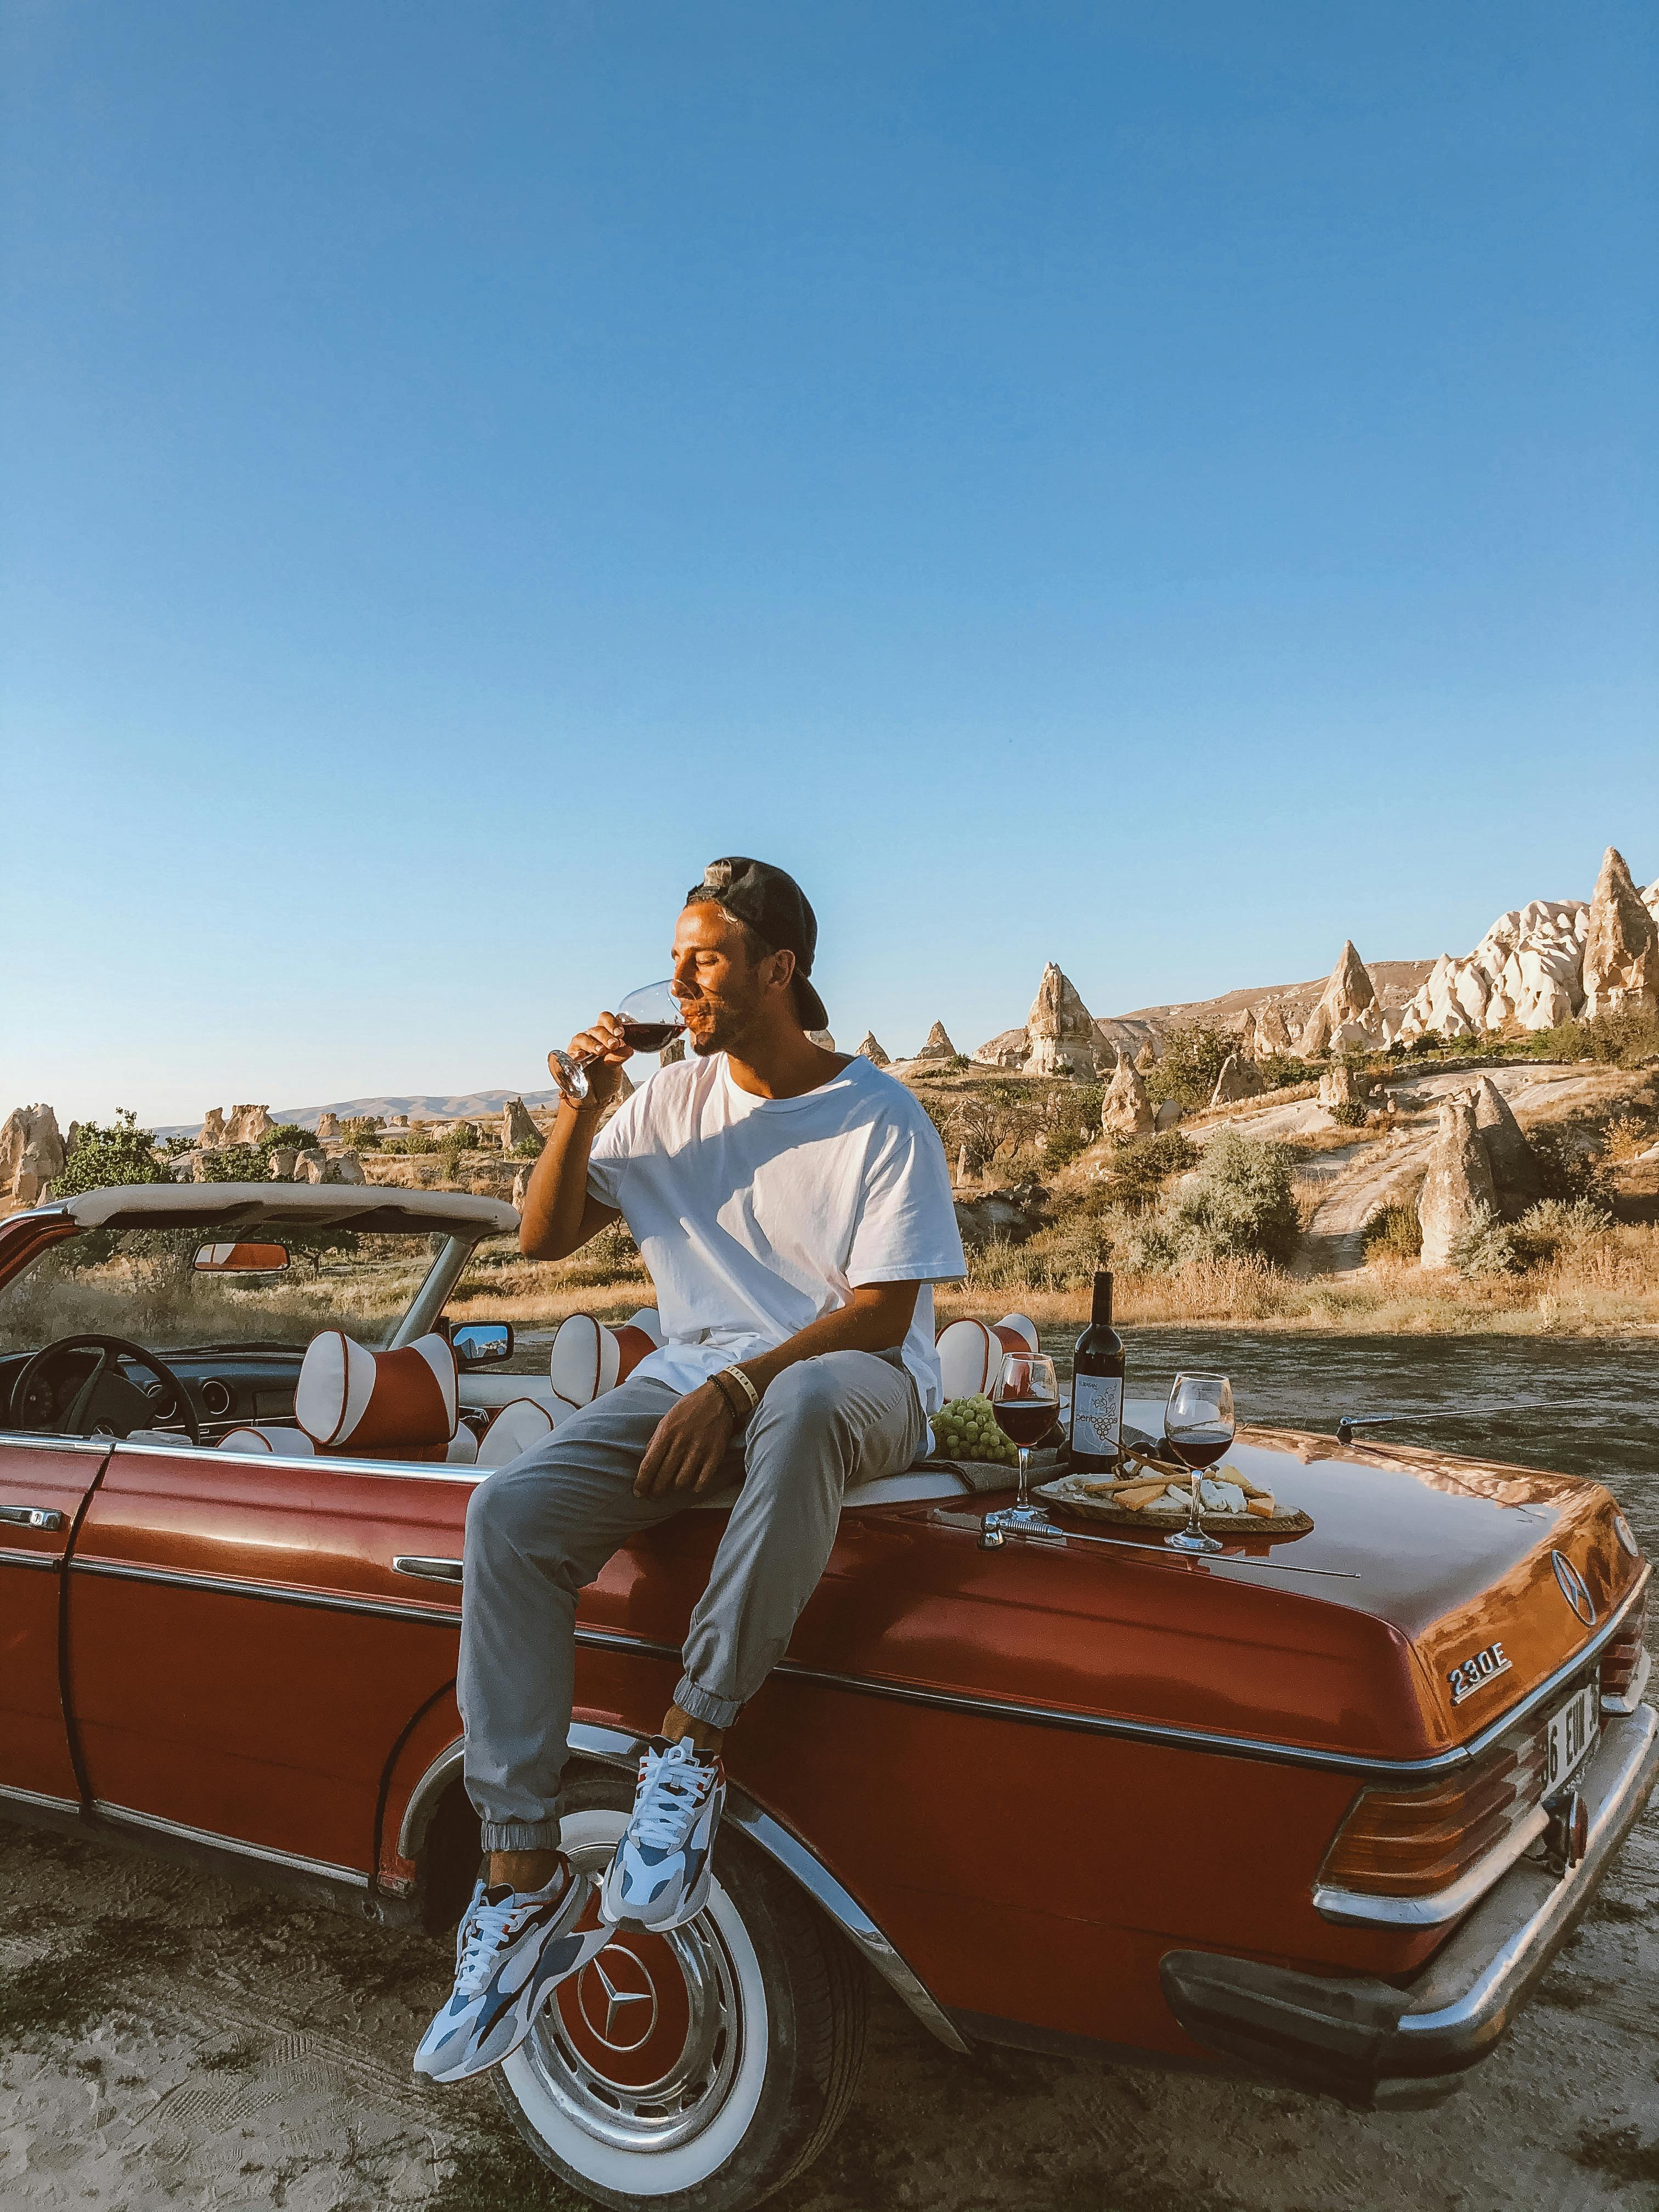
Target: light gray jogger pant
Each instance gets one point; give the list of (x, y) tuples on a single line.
[(539, 1530)]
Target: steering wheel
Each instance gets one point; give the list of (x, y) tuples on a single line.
[(108, 1348)]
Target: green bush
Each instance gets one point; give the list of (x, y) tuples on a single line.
[(529, 1148), (1192, 1058), (363, 1132), (1073, 1122), (1350, 1114), (240, 1163), (1239, 1203), (1281, 1069), (1138, 1167), (1486, 1245), (283, 1132), (122, 1152), (1560, 1225), (1570, 1172), (1396, 1233)]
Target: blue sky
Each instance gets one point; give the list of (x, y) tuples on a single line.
[(1162, 490)]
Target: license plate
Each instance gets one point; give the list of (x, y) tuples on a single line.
[(1572, 1734)]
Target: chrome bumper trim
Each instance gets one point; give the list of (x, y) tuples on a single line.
[(1359, 1908), (1374, 2045), (123, 1816)]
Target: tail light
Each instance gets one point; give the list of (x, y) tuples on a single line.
[(1624, 1662), (1416, 1843)]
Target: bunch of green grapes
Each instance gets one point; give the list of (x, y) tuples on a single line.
[(967, 1429)]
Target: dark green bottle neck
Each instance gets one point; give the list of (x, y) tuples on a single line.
[(1101, 1313)]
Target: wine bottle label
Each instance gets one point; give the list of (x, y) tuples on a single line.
[(1097, 1415)]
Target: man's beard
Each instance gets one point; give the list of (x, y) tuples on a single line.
[(724, 1026)]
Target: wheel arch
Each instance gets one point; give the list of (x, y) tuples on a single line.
[(614, 1748)]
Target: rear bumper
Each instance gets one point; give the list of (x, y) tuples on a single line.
[(1375, 2046)]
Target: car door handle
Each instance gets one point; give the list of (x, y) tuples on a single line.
[(430, 1571), (31, 1517)]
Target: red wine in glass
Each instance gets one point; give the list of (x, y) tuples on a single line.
[(649, 1037), (1024, 1420), (1197, 1447), (1198, 1429)]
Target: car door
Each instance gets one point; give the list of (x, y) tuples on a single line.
[(43, 1481), (244, 1654)]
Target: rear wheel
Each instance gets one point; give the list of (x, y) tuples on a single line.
[(700, 2070)]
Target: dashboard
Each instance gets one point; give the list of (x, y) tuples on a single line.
[(229, 1384)]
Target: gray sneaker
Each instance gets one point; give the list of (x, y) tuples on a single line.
[(512, 1951)]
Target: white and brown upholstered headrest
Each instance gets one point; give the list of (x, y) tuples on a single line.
[(587, 1358), (971, 1352), (351, 1400)]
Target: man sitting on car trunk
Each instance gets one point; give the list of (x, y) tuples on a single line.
[(793, 1208)]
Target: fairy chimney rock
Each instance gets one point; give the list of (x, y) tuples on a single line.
[(518, 1128), (1061, 1037), (520, 1188), (1517, 1181), (1459, 1179), (1237, 1079), (247, 1124), (1348, 1012), (870, 1050), (938, 1046), (1125, 1110), (1268, 1031), (1621, 947), (212, 1138), (30, 1154), (328, 1125), (1147, 1058)]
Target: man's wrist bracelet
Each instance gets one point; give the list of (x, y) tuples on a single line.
[(734, 1403), (743, 1406)]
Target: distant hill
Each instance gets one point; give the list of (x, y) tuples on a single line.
[(425, 1105)]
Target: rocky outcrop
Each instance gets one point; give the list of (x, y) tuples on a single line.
[(1007, 1050), (311, 1166), (1349, 1013), (1147, 1058), (1061, 1036), (1517, 1179), (1622, 945), (1237, 1079), (212, 1138), (1008, 1216), (1266, 1031), (1527, 969), (937, 1045), (283, 1159), (1125, 1110), (347, 1168), (518, 1128), (1343, 1085), (30, 1154), (870, 1050), (1168, 1115), (1459, 1179), (247, 1124), (520, 1185), (328, 1127)]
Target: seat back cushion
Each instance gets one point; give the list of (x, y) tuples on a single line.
[(587, 1358), (269, 1436), (393, 1405), (520, 1423), (971, 1352)]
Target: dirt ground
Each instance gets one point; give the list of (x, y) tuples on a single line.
[(168, 2040)]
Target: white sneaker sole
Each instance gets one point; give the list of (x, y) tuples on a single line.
[(687, 1909)]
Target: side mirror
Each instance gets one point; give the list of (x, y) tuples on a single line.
[(481, 1343), (240, 1259)]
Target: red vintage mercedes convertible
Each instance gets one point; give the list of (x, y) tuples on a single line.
[(1418, 1725)]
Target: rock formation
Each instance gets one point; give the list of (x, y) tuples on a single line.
[(1349, 1012), (938, 1046), (312, 1165), (1459, 1179), (870, 1050), (1343, 1085), (520, 1185), (1061, 1036), (1517, 1181), (1007, 1050), (247, 1124), (1237, 1079), (1622, 945), (1168, 1115), (518, 1128), (1125, 1110), (1267, 1032), (283, 1159), (1528, 969), (30, 1154), (328, 1125), (347, 1168), (1147, 1058), (212, 1138)]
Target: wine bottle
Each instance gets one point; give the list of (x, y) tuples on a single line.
[(1097, 1389)]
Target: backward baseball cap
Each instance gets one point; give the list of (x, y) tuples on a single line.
[(776, 907)]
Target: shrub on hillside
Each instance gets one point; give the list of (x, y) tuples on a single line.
[(240, 1163), (120, 1152), (1618, 1040), (1073, 1122), (1186, 1070), (1138, 1167), (362, 1131), (1560, 1225), (1396, 1233), (1349, 1114), (1486, 1245), (1239, 1203)]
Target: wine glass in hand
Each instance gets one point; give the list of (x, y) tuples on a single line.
[(1198, 1429), (648, 1018), (1025, 1400)]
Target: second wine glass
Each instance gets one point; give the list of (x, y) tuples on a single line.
[(649, 1018), (1025, 1401), (1197, 1428)]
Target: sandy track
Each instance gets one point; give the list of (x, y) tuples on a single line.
[(216, 2046)]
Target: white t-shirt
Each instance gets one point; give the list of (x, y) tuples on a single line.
[(757, 1215)]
